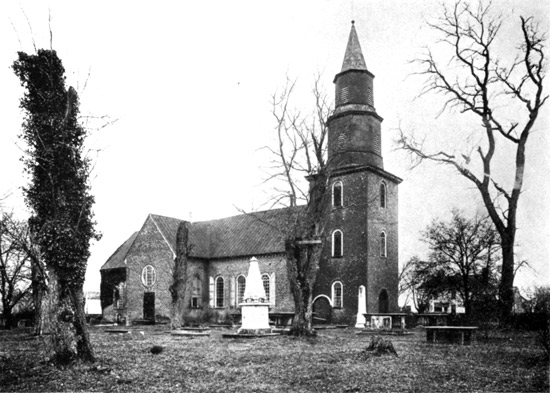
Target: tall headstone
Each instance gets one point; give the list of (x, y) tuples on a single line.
[(361, 308)]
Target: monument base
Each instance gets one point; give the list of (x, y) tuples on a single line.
[(255, 317)]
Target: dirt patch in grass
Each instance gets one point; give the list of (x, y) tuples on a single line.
[(335, 361)]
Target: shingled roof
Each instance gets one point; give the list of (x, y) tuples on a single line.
[(242, 235), (116, 260)]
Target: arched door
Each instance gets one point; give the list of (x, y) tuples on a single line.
[(322, 311), (383, 303)]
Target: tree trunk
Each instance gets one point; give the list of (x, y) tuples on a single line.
[(60, 338), (302, 265), (65, 324), (506, 289), (179, 288), (8, 316), (38, 292), (83, 344), (302, 323)]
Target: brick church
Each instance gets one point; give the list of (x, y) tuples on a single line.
[(361, 248)]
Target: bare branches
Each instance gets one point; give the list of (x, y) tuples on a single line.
[(476, 82), (301, 143), (15, 275)]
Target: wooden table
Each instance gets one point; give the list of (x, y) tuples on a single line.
[(454, 334)]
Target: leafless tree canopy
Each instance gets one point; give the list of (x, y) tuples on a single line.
[(476, 80), (15, 264), (301, 143), (299, 174)]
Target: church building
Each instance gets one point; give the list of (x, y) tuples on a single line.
[(360, 259)]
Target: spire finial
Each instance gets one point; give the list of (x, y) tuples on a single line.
[(353, 59)]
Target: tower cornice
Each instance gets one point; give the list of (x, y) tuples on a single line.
[(354, 109), (365, 71), (365, 168)]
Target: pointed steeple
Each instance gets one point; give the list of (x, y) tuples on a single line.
[(354, 127), (353, 59)]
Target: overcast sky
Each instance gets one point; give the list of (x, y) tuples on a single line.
[(189, 84)]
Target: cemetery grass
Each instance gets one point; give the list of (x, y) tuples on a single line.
[(335, 361)]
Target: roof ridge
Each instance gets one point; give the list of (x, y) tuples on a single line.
[(226, 217), (162, 233)]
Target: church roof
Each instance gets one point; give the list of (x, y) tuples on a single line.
[(116, 260), (242, 235), (245, 234), (353, 59)]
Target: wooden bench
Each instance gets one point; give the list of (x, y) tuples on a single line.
[(451, 334)]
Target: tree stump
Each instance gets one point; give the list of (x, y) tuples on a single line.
[(378, 346)]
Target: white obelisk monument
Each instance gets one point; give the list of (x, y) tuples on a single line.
[(255, 307)]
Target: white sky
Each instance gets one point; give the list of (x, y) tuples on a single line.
[(190, 84)]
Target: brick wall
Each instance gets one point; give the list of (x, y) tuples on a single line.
[(231, 269), (382, 271), (149, 248), (361, 220)]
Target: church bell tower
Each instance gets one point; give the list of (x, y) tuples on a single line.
[(361, 245)]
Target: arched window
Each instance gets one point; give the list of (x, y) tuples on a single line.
[(196, 293), (383, 303), (220, 292), (266, 281), (383, 195), (148, 276), (337, 244), (337, 294), (383, 244), (337, 194), (241, 285)]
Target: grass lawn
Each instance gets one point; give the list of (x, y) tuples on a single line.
[(335, 361)]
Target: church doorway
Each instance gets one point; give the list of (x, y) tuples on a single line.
[(322, 311), (149, 306), (383, 303)]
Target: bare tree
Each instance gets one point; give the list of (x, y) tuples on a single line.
[(300, 173), (476, 82), (15, 270), (412, 279), (21, 239)]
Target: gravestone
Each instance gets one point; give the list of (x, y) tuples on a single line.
[(361, 308)]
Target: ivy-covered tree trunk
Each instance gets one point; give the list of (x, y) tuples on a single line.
[(304, 247), (59, 197), (57, 318), (179, 289), (302, 262), (38, 292)]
